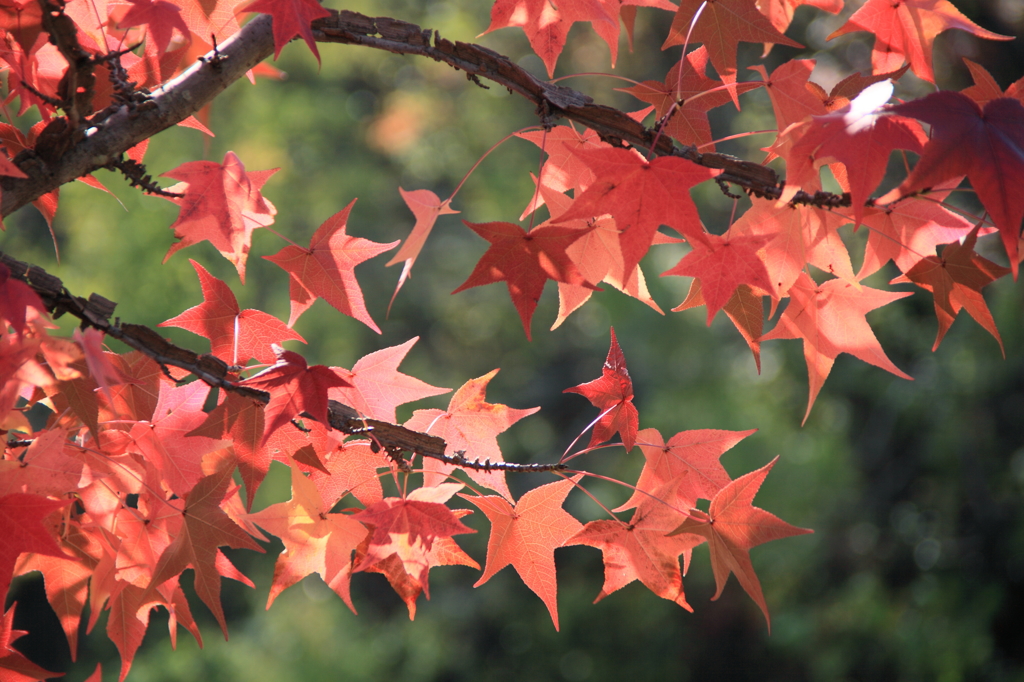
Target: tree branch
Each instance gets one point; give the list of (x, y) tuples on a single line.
[(552, 101), (113, 131), (96, 311)]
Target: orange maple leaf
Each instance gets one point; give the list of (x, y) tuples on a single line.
[(830, 320), (527, 535), (471, 425), (315, 541), (732, 526)]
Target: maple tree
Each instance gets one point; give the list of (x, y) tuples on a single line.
[(124, 470)]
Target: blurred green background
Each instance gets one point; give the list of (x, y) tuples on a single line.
[(916, 567)]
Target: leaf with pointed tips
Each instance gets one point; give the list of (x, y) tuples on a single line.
[(905, 31), (527, 535), (470, 424), (612, 393), (222, 204), (326, 269), (235, 335), (830, 319), (525, 261), (732, 526)]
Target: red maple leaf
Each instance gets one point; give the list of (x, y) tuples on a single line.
[(315, 541), (407, 527), (166, 441), (721, 26), (691, 458), (527, 535), (640, 196), (22, 530), (210, 17), (326, 269), (351, 468), (15, 300), (291, 18), (613, 395), (905, 31), (985, 88), (780, 12), (160, 18), (909, 230), (796, 237), (443, 552), (792, 100), (241, 420), (376, 387), (222, 204), (986, 145), (525, 261), (723, 263), (956, 279), (235, 335), (745, 310), (732, 526), (547, 25), (201, 527), (44, 469), (22, 20), (855, 136), (294, 388), (563, 170), (598, 257), (692, 94), (470, 425), (66, 579), (830, 319)]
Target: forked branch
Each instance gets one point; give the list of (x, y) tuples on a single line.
[(96, 311)]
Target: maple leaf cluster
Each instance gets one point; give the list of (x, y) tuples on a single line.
[(131, 480), (607, 201)]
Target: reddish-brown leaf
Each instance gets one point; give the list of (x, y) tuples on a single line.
[(986, 145), (640, 196), (22, 530), (525, 261), (956, 279), (612, 394), (723, 263), (202, 528), (721, 26), (294, 388)]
